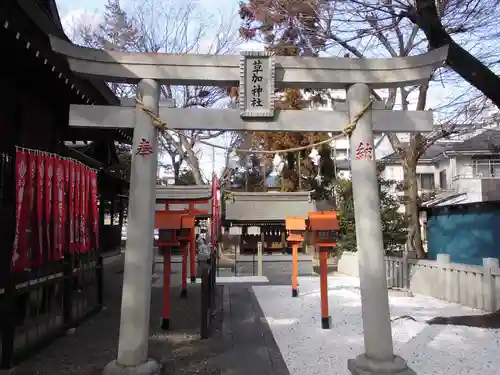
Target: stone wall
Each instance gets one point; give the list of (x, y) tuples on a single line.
[(474, 286)]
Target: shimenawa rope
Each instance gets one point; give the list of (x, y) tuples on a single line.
[(347, 131)]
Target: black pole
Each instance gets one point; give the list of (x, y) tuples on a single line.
[(204, 303)]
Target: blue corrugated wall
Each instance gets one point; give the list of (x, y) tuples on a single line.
[(467, 237)]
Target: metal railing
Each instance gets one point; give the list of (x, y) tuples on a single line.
[(481, 169)]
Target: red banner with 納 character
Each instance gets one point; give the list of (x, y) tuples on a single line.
[(94, 209), (71, 205), (77, 224), (84, 208), (65, 229), (57, 202), (49, 191), (38, 258), (20, 259), (31, 222)]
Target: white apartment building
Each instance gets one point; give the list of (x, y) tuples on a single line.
[(341, 151), (463, 171)]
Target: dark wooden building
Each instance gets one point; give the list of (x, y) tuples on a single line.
[(37, 89), (260, 216)]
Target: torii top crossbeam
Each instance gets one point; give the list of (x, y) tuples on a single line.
[(213, 70), (253, 114)]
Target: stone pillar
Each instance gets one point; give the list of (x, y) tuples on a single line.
[(379, 355), (259, 258), (490, 298), (136, 295), (443, 258)]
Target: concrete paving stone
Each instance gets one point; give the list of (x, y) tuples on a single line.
[(242, 342)]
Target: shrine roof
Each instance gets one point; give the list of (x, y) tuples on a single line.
[(45, 15), (183, 192), (268, 206)]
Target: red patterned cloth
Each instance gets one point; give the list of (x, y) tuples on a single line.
[(94, 208), (78, 197), (38, 258), (56, 209), (20, 259), (71, 205)]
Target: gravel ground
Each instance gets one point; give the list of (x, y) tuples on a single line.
[(428, 349), (94, 343)]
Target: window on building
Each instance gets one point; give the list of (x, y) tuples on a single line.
[(425, 181), (443, 183), (486, 167), (340, 154)]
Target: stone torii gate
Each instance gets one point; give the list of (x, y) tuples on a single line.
[(257, 74)]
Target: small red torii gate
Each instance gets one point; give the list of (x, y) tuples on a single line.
[(175, 220)]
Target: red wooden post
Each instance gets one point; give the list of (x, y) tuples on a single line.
[(323, 224), (295, 227), (295, 269), (323, 280)]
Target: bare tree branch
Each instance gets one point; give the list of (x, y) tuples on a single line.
[(166, 26)]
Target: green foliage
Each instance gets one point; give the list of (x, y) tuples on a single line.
[(394, 224)]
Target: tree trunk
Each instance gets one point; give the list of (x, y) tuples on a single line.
[(195, 167), (414, 241), (192, 160), (177, 171), (462, 62)]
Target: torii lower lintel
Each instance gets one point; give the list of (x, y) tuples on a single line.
[(384, 120)]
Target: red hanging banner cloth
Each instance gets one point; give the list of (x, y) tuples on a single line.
[(71, 205), (49, 217), (57, 204), (65, 210), (77, 213), (20, 259), (31, 221), (94, 209), (37, 256), (84, 208)]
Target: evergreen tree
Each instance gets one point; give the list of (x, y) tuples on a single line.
[(394, 224)]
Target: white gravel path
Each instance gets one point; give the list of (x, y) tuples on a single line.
[(429, 350)]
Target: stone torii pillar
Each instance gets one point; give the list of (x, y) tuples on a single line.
[(378, 357), (136, 296)]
